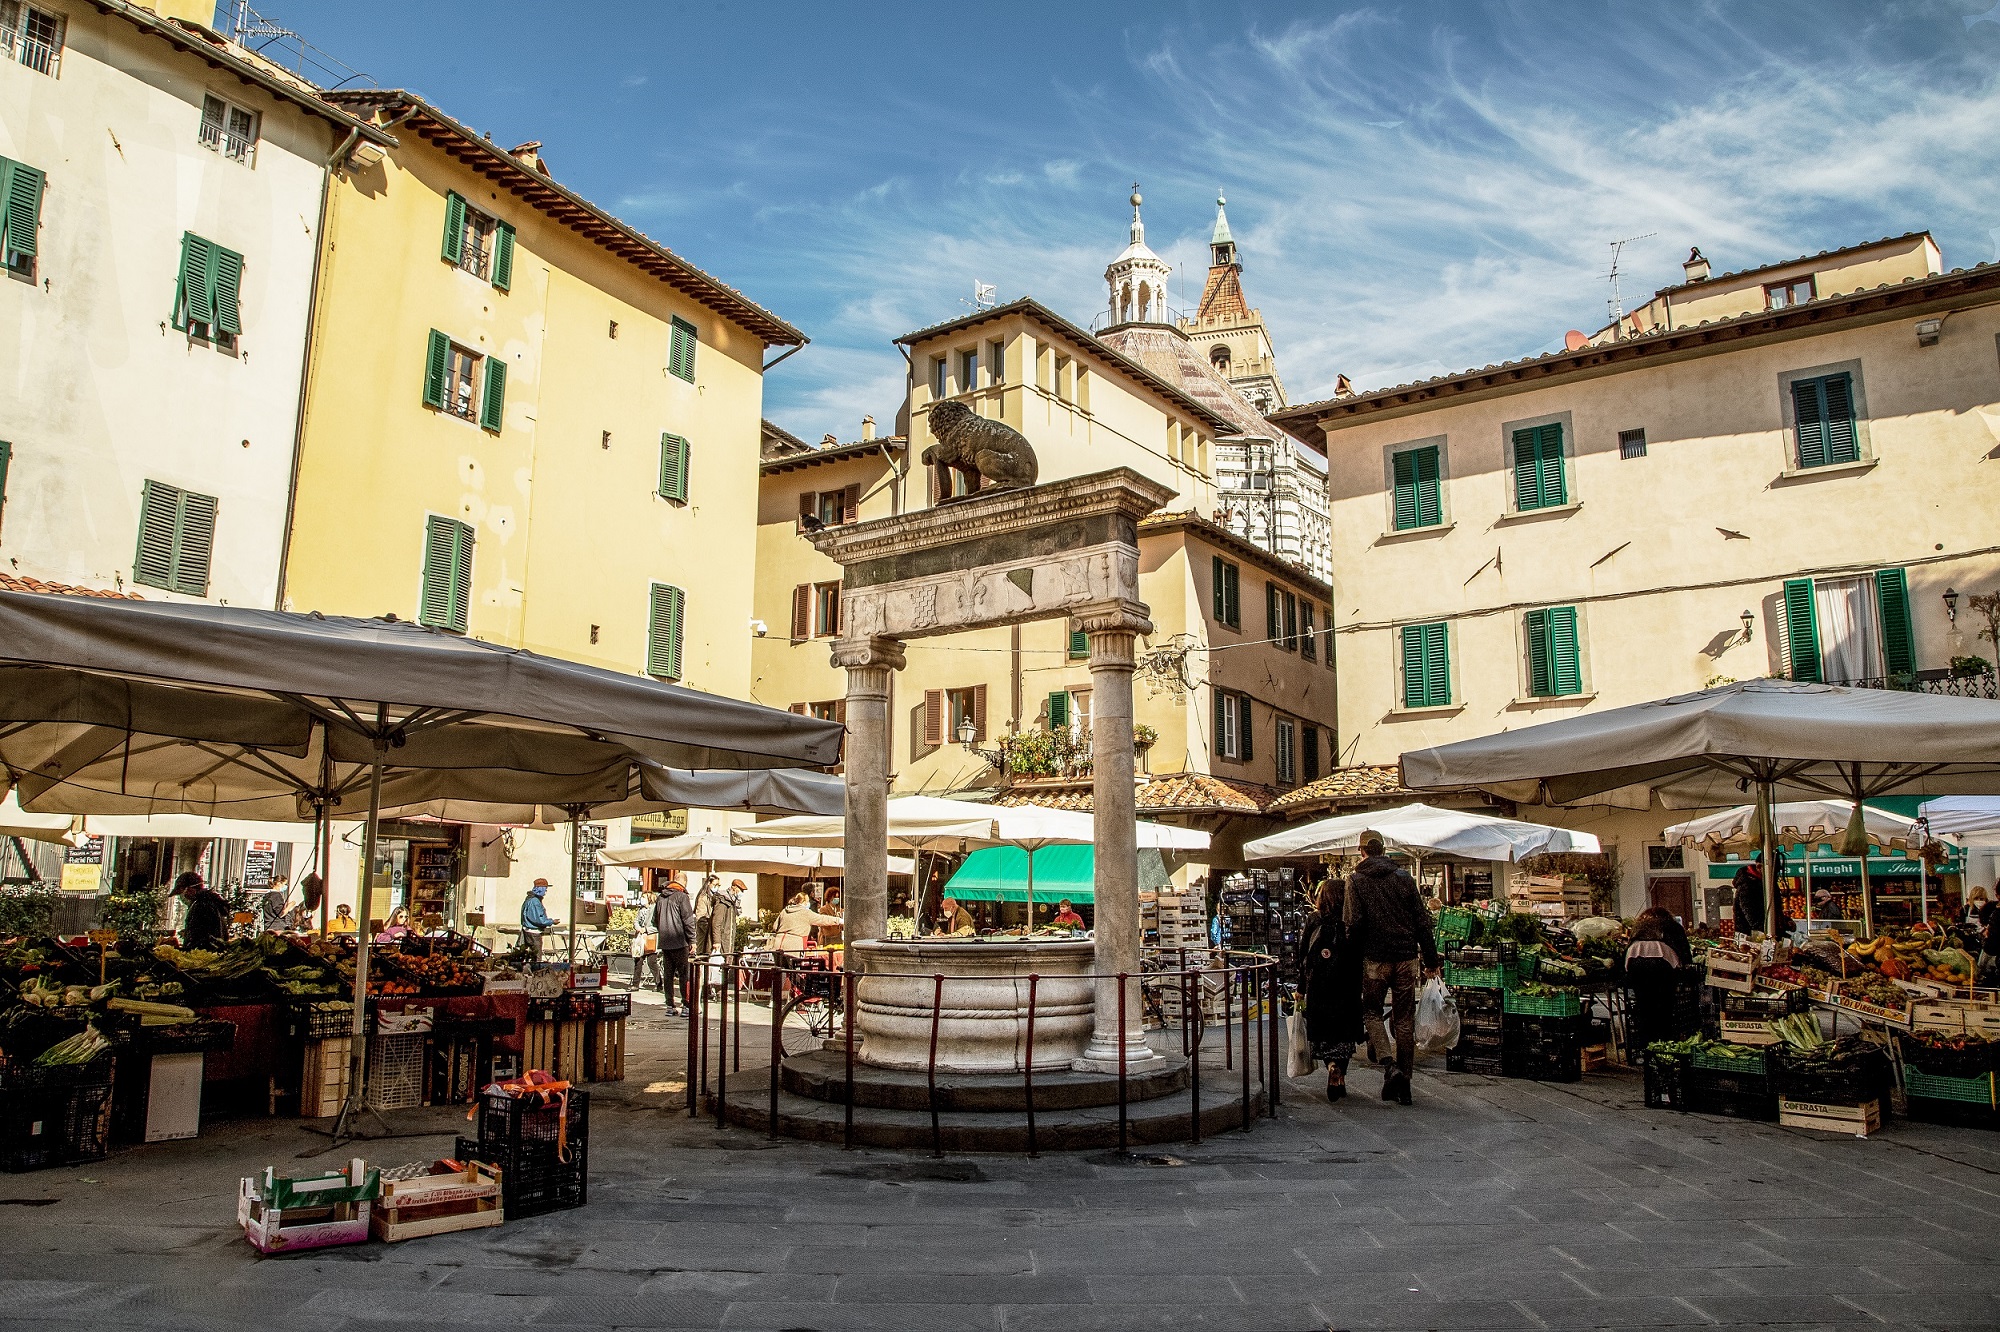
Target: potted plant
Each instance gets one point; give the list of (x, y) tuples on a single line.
[(1144, 737)]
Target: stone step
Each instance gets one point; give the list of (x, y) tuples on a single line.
[(822, 1076), (1164, 1119)]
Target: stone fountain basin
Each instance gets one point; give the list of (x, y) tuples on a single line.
[(983, 1027)]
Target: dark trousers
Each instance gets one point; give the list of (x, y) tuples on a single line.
[(644, 965), (701, 931), (1398, 980), (674, 975)]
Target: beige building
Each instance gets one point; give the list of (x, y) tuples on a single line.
[(1784, 471)]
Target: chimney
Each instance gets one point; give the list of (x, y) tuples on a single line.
[(1342, 387), (1696, 267), (531, 153), (867, 427)]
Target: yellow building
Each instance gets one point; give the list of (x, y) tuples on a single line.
[(1786, 472), (524, 420)]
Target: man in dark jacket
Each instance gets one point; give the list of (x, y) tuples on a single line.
[(673, 916), (1398, 949), (206, 924)]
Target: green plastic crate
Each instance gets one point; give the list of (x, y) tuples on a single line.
[(1455, 926), (1480, 978), (1722, 1063), (1566, 1004), (1971, 1091)]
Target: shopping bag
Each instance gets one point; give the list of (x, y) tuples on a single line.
[(1437, 1018), (1300, 1061)]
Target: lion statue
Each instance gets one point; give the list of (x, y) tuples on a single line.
[(988, 454)]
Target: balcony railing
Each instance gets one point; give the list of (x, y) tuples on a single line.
[(232, 146), (36, 54), (1932, 682)]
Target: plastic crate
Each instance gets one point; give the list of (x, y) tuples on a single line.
[(613, 1005), (532, 1183), (1666, 1084), (1496, 977), (1455, 926), (397, 1069), (1713, 1062), (1459, 1060), (1966, 1091), (1954, 1114), (580, 1004), (1708, 1100), (1765, 1003), (320, 1021), (1543, 1063), (1477, 999), (1969, 1063), (511, 1124), (1566, 1004), (1865, 1076), (188, 1037)]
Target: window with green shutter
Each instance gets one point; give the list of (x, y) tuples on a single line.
[(1899, 642), (1555, 662), (1801, 630), (1058, 709), (493, 395), (176, 539), (681, 341), (1419, 502), (437, 360), (1079, 645), (503, 257), (1308, 640), (1244, 749), (447, 583), (454, 228), (20, 215), (673, 468), (1823, 413), (663, 633), (207, 293), (1274, 619), (1225, 585), (1426, 666), (1539, 482)]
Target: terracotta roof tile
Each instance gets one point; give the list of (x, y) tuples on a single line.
[(1365, 782), (9, 583), (1179, 793)]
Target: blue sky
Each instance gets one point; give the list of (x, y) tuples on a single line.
[(1414, 188)]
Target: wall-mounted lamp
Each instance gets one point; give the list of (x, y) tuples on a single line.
[(1749, 622), (967, 732), (1951, 604), (1928, 332)]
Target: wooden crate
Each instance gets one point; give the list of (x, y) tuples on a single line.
[(607, 1050), (1955, 1016), (1731, 971), (323, 1076), (1858, 1120), (466, 1199), (538, 1046), (572, 1047), (1596, 1057), (1746, 1031)]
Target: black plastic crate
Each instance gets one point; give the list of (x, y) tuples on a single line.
[(1476, 999), (614, 1005), (87, 1120), (514, 1124), (544, 1010), (534, 1183), (1955, 1114), (317, 1022), (1543, 1065), (1868, 1077), (1968, 1063), (1666, 1084), (188, 1037), (1760, 1085), (31, 1128), (1460, 1060), (1704, 1100), (581, 1004), (1488, 1021)]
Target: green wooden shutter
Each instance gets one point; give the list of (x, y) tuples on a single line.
[(6, 458), (1810, 418), (1801, 629), (680, 350), (503, 257), (673, 468), (159, 516), (1079, 644), (194, 293), (225, 277), (1406, 490), (454, 228), (1232, 582), (1564, 656), (1843, 445), (20, 206), (1417, 499), (434, 605), (493, 401), (1426, 666), (1274, 625), (1541, 679), (1416, 686), (1899, 644), (434, 369), (663, 637), (1243, 737), (1215, 588), (1539, 482), (1222, 717), (194, 544), (1058, 709), (1555, 485)]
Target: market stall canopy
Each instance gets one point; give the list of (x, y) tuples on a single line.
[(1707, 749), (1960, 816), (932, 823), (1794, 822), (194, 827), (1001, 874), (714, 850), (18, 822), (654, 788), (1423, 828)]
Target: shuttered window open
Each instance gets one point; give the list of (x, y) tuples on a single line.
[(1274, 622), (176, 539), (20, 212), (664, 631), (1555, 662), (1800, 630), (493, 395), (802, 609), (1899, 643), (933, 717), (681, 342), (437, 358), (207, 293), (1418, 502), (1079, 645), (454, 228), (1225, 724), (1308, 640), (503, 257), (1823, 413), (1244, 749), (1058, 710), (1539, 482), (673, 468), (1426, 666), (447, 581)]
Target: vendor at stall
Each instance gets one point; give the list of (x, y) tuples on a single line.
[(1066, 917), (206, 922), (954, 919)]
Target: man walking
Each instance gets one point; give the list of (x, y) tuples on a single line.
[(1386, 910), (673, 917), (704, 909)]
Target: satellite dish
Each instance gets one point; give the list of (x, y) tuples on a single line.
[(1574, 339)]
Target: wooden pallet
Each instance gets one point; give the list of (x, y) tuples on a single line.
[(538, 1046), (572, 1046), (466, 1199), (323, 1076), (1858, 1120), (607, 1050)]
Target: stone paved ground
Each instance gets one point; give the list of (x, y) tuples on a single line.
[(1490, 1204)]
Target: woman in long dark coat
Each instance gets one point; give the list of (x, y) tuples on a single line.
[(1330, 984)]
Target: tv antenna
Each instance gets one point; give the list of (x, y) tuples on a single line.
[(1617, 302), (985, 295)]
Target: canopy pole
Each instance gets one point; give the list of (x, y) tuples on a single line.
[(357, 1061), (1770, 814), (575, 847), (323, 835)]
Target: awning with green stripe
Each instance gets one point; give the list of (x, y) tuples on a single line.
[(1000, 874)]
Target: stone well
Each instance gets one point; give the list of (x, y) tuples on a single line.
[(984, 1022)]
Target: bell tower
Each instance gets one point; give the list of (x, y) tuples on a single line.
[(1137, 278), (1227, 330)]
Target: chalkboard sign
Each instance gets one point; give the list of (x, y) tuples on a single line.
[(260, 864)]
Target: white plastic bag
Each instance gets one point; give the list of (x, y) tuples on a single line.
[(1437, 1018), (1298, 1046)]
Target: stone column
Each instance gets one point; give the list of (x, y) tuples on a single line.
[(1113, 628), (864, 887)]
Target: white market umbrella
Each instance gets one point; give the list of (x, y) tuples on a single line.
[(194, 827), (1808, 822), (1960, 815), (714, 851), (1424, 828), (18, 822), (916, 823)]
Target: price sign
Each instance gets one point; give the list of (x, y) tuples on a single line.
[(103, 936)]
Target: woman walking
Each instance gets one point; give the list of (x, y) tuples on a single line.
[(1330, 985)]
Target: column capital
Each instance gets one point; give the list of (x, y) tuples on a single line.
[(1113, 617), (863, 653)]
